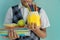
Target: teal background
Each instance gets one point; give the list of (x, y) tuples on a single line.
[(52, 8)]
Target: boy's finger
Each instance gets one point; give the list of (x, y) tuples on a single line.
[(28, 26), (35, 25), (15, 35), (32, 25), (10, 33), (5, 37)]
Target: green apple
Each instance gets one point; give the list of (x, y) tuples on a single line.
[(21, 22)]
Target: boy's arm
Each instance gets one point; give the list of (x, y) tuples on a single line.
[(8, 18), (40, 33)]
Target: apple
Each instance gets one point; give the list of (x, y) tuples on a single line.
[(21, 23)]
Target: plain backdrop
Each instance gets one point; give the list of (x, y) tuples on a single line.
[(52, 8)]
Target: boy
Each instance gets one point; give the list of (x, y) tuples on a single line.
[(36, 33)]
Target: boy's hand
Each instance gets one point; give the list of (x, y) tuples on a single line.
[(33, 26), (12, 34)]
